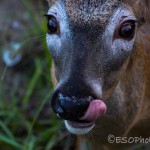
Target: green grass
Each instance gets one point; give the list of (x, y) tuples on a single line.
[(21, 126)]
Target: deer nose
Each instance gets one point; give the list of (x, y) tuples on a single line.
[(70, 108)]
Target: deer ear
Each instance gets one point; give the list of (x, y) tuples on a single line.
[(144, 9)]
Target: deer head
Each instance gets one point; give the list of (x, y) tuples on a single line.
[(92, 42)]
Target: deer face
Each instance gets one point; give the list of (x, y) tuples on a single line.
[(91, 43)]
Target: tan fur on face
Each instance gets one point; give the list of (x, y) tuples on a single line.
[(78, 8)]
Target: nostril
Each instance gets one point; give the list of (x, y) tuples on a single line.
[(58, 109), (70, 108), (55, 102)]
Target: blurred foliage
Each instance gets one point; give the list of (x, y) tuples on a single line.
[(26, 121)]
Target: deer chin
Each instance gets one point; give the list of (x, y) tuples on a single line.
[(84, 125), (79, 128)]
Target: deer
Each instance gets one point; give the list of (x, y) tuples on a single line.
[(101, 56)]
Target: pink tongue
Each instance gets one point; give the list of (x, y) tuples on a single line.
[(96, 109)]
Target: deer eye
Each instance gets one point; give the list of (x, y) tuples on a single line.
[(52, 24), (127, 30)]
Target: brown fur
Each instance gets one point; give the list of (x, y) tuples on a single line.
[(134, 85)]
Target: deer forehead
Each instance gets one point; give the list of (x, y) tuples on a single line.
[(92, 11)]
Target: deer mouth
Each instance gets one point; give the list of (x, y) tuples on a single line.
[(85, 124), (81, 124), (79, 127)]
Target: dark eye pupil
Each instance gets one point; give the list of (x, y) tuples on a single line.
[(52, 25), (127, 30)]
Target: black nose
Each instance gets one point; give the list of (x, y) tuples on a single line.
[(70, 108)]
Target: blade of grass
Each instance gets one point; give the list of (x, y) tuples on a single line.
[(4, 72), (6, 130), (32, 83), (48, 134), (2, 96), (38, 112), (51, 143), (11, 115), (27, 6), (31, 144), (36, 117), (10, 142)]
